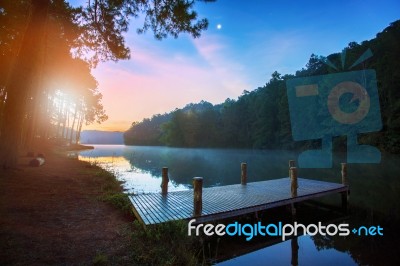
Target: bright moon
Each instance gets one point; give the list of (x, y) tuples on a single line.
[(219, 26)]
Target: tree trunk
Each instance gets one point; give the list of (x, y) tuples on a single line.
[(66, 122), (44, 121), (21, 84), (73, 124), (34, 112), (78, 134), (60, 117)]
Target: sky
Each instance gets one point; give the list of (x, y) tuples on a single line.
[(246, 41)]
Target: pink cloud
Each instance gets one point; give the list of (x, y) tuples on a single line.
[(163, 82)]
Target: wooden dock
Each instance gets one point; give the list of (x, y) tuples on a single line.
[(230, 201)]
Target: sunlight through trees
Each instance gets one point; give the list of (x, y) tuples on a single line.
[(47, 50)]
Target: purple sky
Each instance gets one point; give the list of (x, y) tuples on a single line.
[(254, 39)]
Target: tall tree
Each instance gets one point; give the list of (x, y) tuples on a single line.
[(101, 26), (23, 79)]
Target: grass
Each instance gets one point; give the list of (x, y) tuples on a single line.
[(100, 259), (163, 244), (111, 191)]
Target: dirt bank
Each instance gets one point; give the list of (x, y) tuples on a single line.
[(52, 215)]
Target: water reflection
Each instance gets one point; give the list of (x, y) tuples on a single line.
[(294, 244), (373, 186), (136, 179), (374, 199), (217, 166), (297, 251)]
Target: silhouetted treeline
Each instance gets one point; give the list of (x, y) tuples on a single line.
[(47, 51), (148, 131), (45, 91), (260, 118)]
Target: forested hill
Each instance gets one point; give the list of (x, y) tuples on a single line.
[(260, 118), (101, 137)]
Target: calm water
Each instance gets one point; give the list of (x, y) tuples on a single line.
[(140, 167), (281, 254), (375, 195)]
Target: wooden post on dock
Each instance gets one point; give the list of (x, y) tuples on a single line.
[(293, 181), (293, 186), (291, 164), (197, 195), (345, 195), (165, 180), (243, 179), (344, 174)]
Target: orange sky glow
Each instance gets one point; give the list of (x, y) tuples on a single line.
[(239, 51), (165, 81)]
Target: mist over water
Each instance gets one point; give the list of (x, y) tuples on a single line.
[(216, 166), (373, 186), (374, 198)]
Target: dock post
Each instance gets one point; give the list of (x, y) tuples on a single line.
[(197, 195), (165, 180), (291, 164), (344, 174), (345, 194), (293, 181), (243, 179), (293, 186)]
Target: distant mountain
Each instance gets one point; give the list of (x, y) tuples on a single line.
[(101, 137)]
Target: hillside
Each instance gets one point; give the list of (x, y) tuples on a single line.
[(101, 137), (260, 118)]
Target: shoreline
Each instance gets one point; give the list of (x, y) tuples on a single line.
[(62, 212), (73, 212)]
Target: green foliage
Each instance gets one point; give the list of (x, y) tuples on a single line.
[(147, 132), (111, 191), (104, 22), (260, 118), (165, 244), (162, 244), (194, 126), (119, 200), (100, 259), (57, 45)]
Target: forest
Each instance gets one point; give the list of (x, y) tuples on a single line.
[(48, 49), (260, 118), (68, 96)]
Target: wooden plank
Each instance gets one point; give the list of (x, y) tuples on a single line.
[(182, 205), (262, 207), (138, 216), (155, 208), (139, 212), (167, 212), (228, 201), (144, 210), (162, 209)]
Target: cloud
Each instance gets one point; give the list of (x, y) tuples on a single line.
[(231, 74), (155, 81)]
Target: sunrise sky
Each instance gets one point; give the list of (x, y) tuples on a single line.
[(246, 41)]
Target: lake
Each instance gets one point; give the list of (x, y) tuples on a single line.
[(374, 199), (140, 167)]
